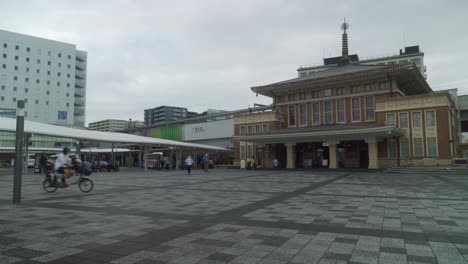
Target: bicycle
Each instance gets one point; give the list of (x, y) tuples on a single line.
[(85, 184), (51, 185)]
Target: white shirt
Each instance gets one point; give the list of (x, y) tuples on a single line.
[(60, 161), (189, 161)]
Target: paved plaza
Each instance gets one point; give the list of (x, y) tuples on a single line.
[(244, 217)]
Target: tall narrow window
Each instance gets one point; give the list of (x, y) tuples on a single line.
[(258, 129), (418, 147), (249, 129), (303, 114), (242, 152), (430, 119), (292, 115), (356, 107), (391, 119), (392, 148), (370, 114), (340, 110), (328, 112), (417, 120), (403, 120), (432, 147), (404, 148), (265, 127), (316, 114), (249, 151)]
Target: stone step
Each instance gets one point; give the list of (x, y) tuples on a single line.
[(457, 170)]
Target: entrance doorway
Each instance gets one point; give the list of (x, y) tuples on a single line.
[(312, 155), (353, 154)]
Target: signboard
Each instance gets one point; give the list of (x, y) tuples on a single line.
[(209, 130), (62, 115), (7, 112)]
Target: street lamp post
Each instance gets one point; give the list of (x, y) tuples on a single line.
[(18, 152)]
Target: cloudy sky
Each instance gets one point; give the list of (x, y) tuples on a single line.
[(207, 54)]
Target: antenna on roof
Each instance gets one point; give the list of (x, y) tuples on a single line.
[(404, 40)]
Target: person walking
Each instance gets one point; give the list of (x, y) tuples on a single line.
[(189, 162), (275, 163), (253, 163), (206, 160)]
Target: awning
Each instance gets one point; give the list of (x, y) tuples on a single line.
[(9, 125), (324, 135)]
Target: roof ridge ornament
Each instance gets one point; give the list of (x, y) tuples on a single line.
[(344, 60)]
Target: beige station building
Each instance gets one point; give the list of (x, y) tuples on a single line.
[(351, 115)]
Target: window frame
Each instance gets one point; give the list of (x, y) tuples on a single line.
[(316, 113), (367, 108), (434, 119), (338, 111), (407, 120), (392, 153), (414, 148), (394, 119), (353, 120), (294, 116), (303, 114), (408, 148), (326, 114), (436, 148), (413, 119), (242, 150)]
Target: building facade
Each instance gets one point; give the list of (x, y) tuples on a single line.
[(162, 114), (351, 115), (110, 125), (411, 54), (49, 75)]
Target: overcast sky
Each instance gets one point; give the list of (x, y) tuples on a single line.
[(207, 54)]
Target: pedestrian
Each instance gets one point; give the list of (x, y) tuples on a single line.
[(189, 162), (252, 163), (206, 160), (275, 163)]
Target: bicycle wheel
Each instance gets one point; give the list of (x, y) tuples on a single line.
[(48, 186), (86, 185)]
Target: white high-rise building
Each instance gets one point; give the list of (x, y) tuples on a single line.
[(49, 75)]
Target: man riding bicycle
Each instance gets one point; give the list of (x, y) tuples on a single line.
[(63, 163)]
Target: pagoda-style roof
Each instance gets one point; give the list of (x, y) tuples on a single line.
[(407, 76)]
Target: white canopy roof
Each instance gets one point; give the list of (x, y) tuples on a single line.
[(9, 125)]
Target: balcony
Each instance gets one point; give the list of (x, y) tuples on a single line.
[(81, 55), (80, 75), (80, 83), (80, 93), (258, 117), (79, 101), (79, 111), (80, 65)]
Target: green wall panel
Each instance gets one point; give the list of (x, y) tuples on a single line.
[(171, 132)]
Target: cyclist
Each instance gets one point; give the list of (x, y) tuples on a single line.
[(63, 163)]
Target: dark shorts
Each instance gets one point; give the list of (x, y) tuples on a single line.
[(61, 170)]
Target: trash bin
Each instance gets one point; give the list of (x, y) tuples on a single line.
[(37, 169)]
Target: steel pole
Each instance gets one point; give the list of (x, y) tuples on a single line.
[(18, 152)]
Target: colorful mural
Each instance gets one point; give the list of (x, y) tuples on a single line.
[(170, 132)]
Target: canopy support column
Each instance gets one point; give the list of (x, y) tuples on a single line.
[(290, 155), (178, 158), (373, 153), (112, 153), (332, 150), (145, 157)]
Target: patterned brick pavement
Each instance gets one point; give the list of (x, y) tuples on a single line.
[(232, 216)]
